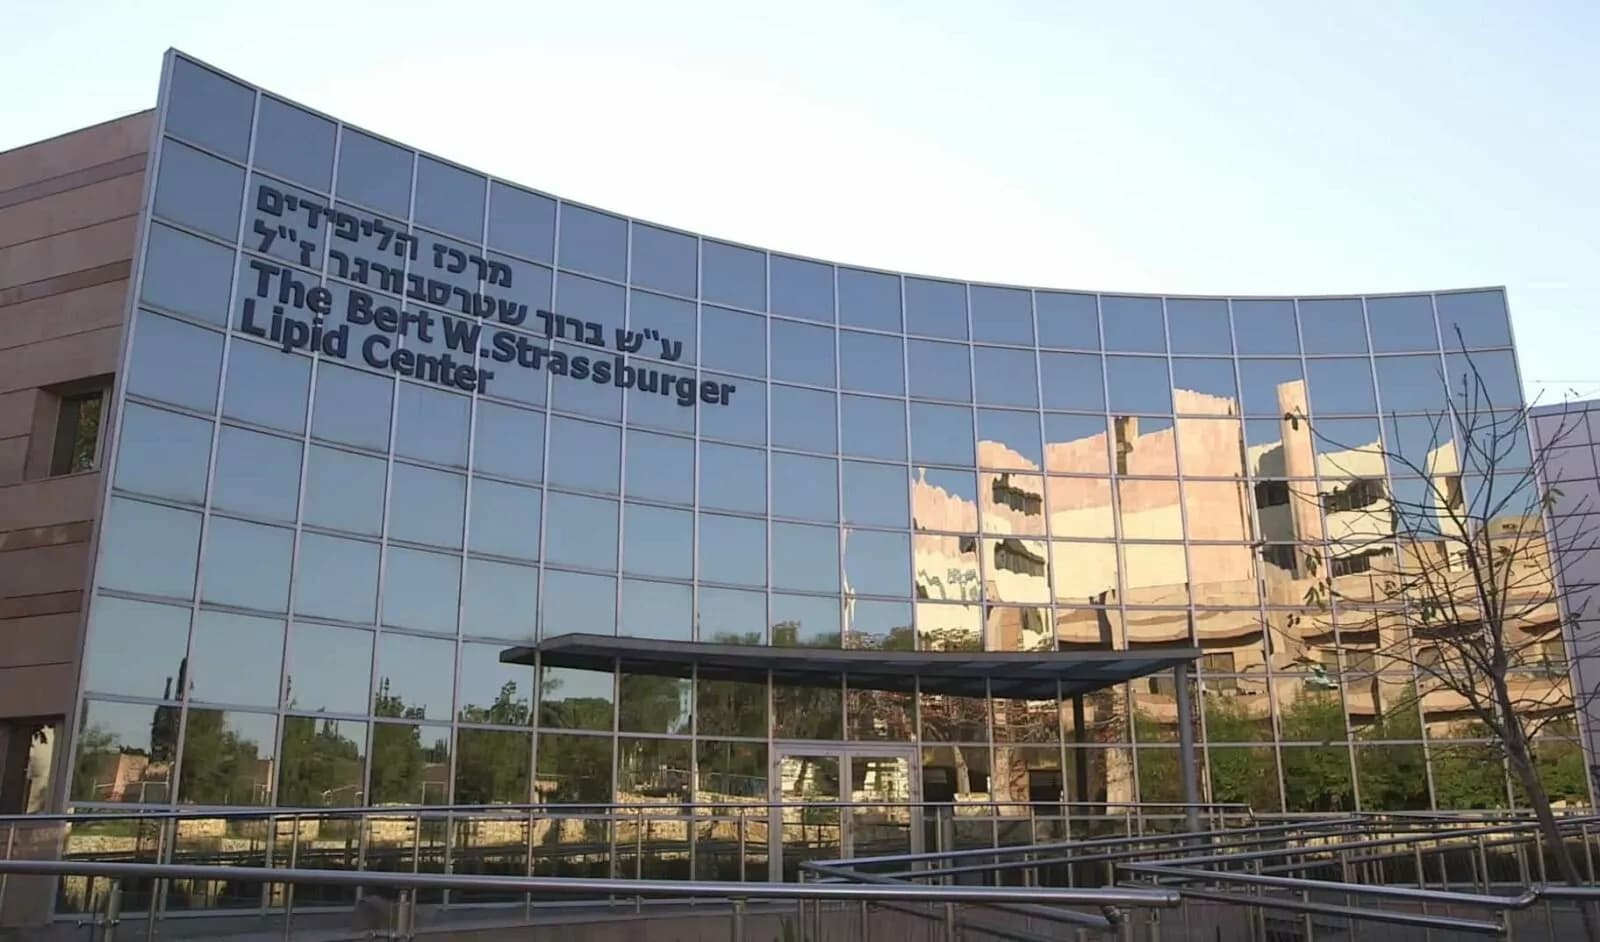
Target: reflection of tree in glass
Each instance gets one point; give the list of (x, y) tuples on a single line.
[(219, 766), (1394, 777), (1316, 778), (320, 766), (401, 766), (1240, 774)]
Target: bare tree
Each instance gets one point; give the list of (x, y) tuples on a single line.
[(1455, 572)]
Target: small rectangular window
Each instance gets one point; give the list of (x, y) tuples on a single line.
[(77, 437)]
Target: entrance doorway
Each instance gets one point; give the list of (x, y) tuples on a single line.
[(810, 783)]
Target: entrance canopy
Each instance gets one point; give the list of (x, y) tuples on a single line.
[(1030, 675)]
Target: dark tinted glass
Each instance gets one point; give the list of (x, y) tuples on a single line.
[(665, 260), (869, 299), (939, 370), (1401, 325), (209, 109), (199, 191), (1001, 315), (733, 478), (942, 435), (1479, 315), (1133, 325), (1265, 327), (872, 363), (733, 341), (593, 242), (1005, 377), (294, 143), (449, 199), (1198, 325), (733, 275), (873, 427), (1340, 385), (521, 222), (802, 289), (1333, 325), (936, 308), (374, 173), (802, 353), (805, 419), (1138, 384), (1067, 320), (187, 275)]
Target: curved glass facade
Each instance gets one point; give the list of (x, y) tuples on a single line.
[(358, 458)]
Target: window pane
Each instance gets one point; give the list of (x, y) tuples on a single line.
[(1005, 377), (136, 648), (658, 542), (1411, 384), (873, 428), (942, 435), (805, 558), (175, 363), (804, 487), (1001, 315), (294, 144), (508, 442), (323, 763), (112, 730), (257, 474), (578, 603), (594, 242), (228, 758), (1333, 325), (733, 478), (1204, 387), (163, 454), (337, 578), (802, 288), (936, 308), (421, 590), (1009, 440), (654, 704), (871, 363), (1341, 385), (939, 370), (209, 109), (1133, 325), (733, 550), (188, 275), (432, 425), (267, 388), (427, 506), (802, 353), (877, 563), (733, 341), (1073, 381), (1480, 382), (743, 418), (1480, 316), (505, 519), (1199, 325), (492, 692), (869, 299), (805, 419), (672, 319), (374, 173), (449, 199), (352, 407), (1067, 320), (1138, 384), (199, 191), (875, 494), (1400, 325), (1271, 387), (344, 491), (410, 765), (805, 620), (502, 600), (730, 616), (149, 549), (409, 681), (664, 260), (570, 698), (1076, 444), (582, 531), (247, 565), (656, 610), (733, 275), (1081, 507), (328, 669), (492, 767), (660, 467), (521, 222), (585, 455), (944, 500), (1261, 326), (574, 769)]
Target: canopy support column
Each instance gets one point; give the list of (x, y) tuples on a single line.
[(1186, 763)]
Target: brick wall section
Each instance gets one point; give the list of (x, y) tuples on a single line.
[(68, 210)]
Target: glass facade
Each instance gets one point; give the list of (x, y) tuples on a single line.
[(358, 458)]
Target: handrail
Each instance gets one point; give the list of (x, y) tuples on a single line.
[(699, 889)]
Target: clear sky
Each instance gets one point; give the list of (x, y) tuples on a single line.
[(1208, 147)]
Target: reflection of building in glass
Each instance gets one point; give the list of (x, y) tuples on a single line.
[(339, 548)]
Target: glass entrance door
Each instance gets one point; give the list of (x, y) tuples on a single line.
[(841, 800)]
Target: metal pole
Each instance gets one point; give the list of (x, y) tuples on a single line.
[(864, 921), (949, 922), (113, 913), (1080, 735), (738, 920), (1186, 764)]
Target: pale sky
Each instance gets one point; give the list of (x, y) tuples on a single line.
[(1248, 148)]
